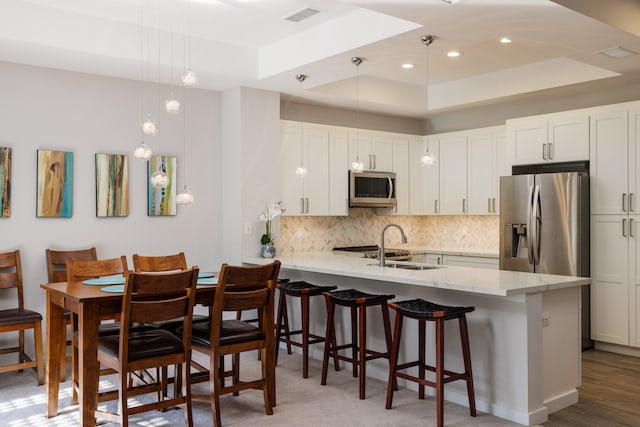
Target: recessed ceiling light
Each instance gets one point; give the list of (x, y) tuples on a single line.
[(407, 66), (453, 54), (505, 40), (617, 52)]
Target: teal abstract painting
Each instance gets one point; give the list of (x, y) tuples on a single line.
[(55, 184)]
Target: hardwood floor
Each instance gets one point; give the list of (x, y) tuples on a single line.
[(609, 395)]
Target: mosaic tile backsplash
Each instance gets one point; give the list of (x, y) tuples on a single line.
[(363, 227)]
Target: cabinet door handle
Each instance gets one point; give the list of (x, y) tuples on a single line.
[(464, 205), (630, 202), (439, 261), (631, 227), (370, 162), (306, 203), (550, 152), (624, 227), (544, 151), (374, 162), (436, 207), (494, 205), (624, 202), (489, 205), (301, 205)]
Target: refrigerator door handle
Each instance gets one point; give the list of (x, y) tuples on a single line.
[(530, 226), (536, 217)]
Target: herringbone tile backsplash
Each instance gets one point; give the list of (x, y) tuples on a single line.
[(363, 227)]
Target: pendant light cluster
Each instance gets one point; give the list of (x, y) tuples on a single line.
[(357, 166), (428, 159), (301, 170), (149, 128)]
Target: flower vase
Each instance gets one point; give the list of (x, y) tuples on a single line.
[(268, 250)]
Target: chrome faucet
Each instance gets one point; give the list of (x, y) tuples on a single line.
[(404, 241)]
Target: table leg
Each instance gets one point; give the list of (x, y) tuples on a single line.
[(54, 348), (88, 373)]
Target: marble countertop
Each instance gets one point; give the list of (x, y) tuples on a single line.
[(463, 279)]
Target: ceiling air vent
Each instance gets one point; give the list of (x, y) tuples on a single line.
[(302, 14), (617, 52)]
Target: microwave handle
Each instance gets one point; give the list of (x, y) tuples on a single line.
[(390, 187)]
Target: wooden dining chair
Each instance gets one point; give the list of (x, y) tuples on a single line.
[(240, 288), (57, 272), (151, 298), (166, 263), (78, 270), (19, 319)]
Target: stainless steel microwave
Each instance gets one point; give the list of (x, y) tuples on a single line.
[(372, 189)]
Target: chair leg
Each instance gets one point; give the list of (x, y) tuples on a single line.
[(440, 372), (21, 358), (235, 369), (354, 341), (387, 336), (466, 354), (329, 342), (123, 406), (395, 350), (186, 392), (268, 408), (37, 336), (304, 302), (421, 356), (216, 378), (362, 347)]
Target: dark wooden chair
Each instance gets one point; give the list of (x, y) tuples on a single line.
[(78, 270), (57, 272), (240, 288), (151, 298), (19, 319)]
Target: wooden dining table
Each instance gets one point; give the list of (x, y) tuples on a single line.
[(91, 304)]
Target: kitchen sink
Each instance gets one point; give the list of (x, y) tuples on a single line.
[(409, 265)]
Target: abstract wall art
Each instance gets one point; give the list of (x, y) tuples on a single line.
[(112, 185), (161, 201), (5, 182), (55, 184)]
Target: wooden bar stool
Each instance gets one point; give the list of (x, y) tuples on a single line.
[(425, 311), (304, 291), (358, 302)]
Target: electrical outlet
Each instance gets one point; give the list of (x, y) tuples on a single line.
[(545, 319), (248, 228)]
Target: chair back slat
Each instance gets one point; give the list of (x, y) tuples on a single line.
[(82, 270), (177, 262), (247, 300), (57, 261), (11, 273)]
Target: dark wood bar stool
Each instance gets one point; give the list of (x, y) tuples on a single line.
[(304, 291), (425, 311), (358, 302)]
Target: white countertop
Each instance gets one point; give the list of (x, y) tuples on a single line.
[(464, 279)]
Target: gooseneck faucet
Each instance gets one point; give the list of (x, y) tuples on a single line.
[(404, 241)]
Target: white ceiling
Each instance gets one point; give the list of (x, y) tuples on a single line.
[(235, 43)]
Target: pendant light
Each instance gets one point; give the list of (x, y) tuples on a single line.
[(171, 104), (189, 78), (357, 166), (185, 197), (142, 151), (301, 171), (159, 179), (428, 159)]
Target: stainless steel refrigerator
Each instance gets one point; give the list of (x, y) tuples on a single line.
[(544, 227)]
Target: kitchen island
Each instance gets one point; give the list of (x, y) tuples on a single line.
[(524, 333)]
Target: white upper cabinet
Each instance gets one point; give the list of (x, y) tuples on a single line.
[(424, 182), (612, 165), (308, 195), (558, 137), (375, 152), (401, 169), (338, 173), (453, 173)]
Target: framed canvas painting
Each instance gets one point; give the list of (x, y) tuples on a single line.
[(5, 182), (54, 197), (112, 185), (161, 201)]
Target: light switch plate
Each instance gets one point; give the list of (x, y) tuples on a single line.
[(248, 228)]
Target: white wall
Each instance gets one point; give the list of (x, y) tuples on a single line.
[(56, 110)]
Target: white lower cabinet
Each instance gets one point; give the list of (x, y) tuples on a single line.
[(615, 279), (457, 260)]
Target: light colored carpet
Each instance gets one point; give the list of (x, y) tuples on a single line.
[(301, 402)]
